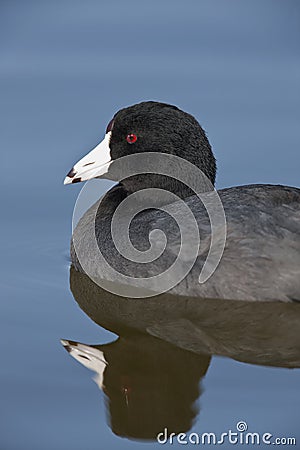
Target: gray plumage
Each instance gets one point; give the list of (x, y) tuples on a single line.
[(261, 260)]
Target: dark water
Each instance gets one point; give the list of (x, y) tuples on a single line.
[(65, 68)]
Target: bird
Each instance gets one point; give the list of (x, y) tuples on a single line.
[(260, 258)]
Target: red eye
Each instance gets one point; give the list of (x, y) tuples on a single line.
[(131, 138)]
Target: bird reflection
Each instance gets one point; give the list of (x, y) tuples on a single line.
[(145, 382), (152, 373)]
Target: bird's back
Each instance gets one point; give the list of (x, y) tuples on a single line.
[(261, 259)]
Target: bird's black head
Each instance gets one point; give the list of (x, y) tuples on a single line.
[(148, 127)]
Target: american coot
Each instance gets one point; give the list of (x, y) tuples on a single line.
[(261, 259)]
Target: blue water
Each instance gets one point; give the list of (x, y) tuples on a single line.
[(65, 68)]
